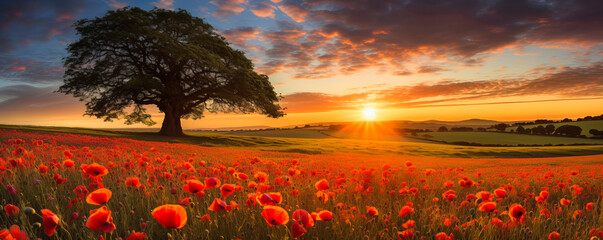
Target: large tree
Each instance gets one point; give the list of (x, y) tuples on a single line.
[(131, 58)]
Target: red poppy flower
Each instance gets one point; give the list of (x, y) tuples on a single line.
[(219, 205), (408, 224), (324, 215), (50, 220), (184, 201), (322, 196), (67, 154), (564, 202), (14, 233), (484, 196), (406, 210), (487, 206), (95, 169), (99, 197), (170, 215), (234, 205), (100, 220), (68, 163), (261, 176), (212, 182), (59, 179), (297, 230), (589, 206), (406, 234), (497, 222), (133, 182), (271, 198), (227, 189), (448, 184), (137, 236), (500, 193), (194, 186), (252, 185), (11, 210), (372, 211), (42, 168), (322, 185), (275, 215), (303, 217), (466, 183), (595, 232), (516, 211), (264, 187), (554, 235), (443, 236), (81, 191), (241, 176)]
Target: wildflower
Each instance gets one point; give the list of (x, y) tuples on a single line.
[(275, 215), (170, 215)]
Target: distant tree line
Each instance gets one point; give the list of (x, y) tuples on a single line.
[(545, 121), (564, 130), (539, 130), (460, 129), (596, 133), (412, 130)]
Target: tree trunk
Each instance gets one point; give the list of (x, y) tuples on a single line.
[(171, 125)]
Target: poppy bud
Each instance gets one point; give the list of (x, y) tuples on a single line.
[(29, 211), (74, 216)]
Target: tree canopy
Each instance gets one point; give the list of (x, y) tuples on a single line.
[(130, 58)]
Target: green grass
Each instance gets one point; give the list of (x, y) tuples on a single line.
[(585, 125), (332, 145), (281, 133), (508, 138)]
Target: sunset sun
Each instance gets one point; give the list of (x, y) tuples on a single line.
[(369, 113)]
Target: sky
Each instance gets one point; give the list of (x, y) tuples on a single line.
[(415, 60)]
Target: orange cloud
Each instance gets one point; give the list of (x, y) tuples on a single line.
[(320, 102), (117, 4), (295, 12), (263, 9), (579, 83), (165, 4), (228, 8)]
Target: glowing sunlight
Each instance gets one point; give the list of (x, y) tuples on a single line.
[(369, 113)]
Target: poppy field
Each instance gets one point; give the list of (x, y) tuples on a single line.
[(66, 186)]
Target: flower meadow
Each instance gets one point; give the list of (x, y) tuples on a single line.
[(65, 186)]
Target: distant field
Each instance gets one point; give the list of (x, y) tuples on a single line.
[(334, 145), (585, 125), (282, 133), (508, 138)]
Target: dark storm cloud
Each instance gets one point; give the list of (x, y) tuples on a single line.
[(358, 34), (28, 21), (30, 70)]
